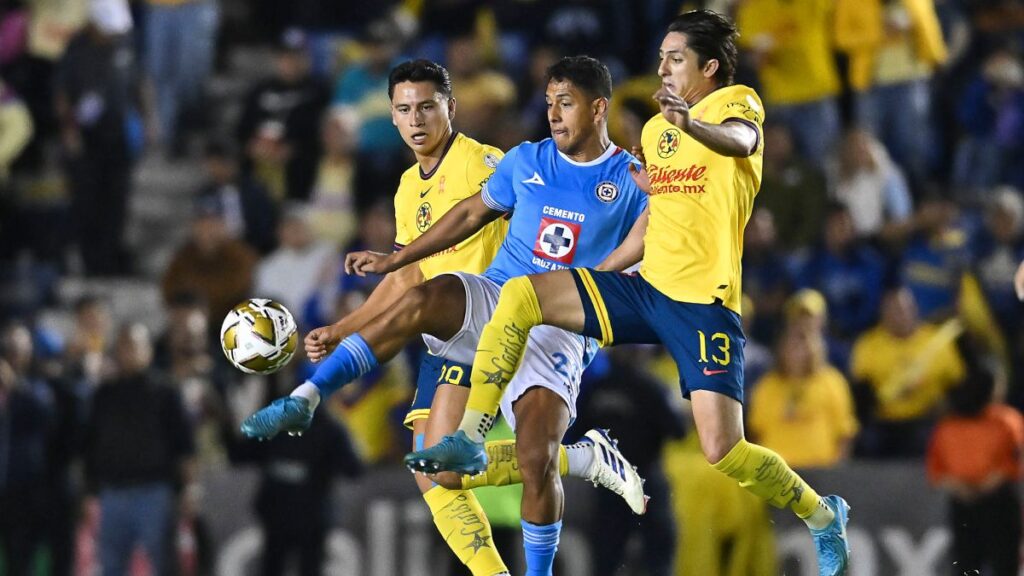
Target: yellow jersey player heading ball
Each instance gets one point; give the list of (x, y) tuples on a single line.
[(704, 151)]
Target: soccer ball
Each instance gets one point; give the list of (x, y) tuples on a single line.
[(259, 336)]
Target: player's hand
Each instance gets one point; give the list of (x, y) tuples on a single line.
[(1018, 281), (638, 153), (674, 109), (640, 177), (321, 341), (368, 262)]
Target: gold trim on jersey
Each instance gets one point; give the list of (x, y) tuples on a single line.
[(600, 310)]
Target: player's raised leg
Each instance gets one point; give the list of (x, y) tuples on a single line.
[(719, 422), (435, 307)]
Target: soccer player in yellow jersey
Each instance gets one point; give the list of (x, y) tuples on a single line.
[(704, 168), (450, 168)]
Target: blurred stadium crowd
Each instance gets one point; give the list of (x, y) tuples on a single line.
[(161, 160)]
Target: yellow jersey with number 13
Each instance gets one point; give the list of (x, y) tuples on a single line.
[(422, 199), (700, 202)]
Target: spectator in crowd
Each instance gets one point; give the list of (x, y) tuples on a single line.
[(791, 47), (249, 213), (894, 48), (25, 419), (292, 502), (996, 253), (872, 187), (933, 264), (15, 130), (807, 311), (765, 276), (904, 368), (291, 273), (138, 457), (485, 97), (803, 408), (51, 26), (281, 121), (334, 200), (989, 113), (99, 102), (792, 189), (364, 87), (848, 272), (211, 263), (179, 65), (975, 457), (85, 357), (644, 417)]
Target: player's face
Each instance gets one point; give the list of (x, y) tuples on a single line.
[(680, 69), (422, 115), (572, 116)]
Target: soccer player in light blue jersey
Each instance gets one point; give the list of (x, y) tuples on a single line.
[(572, 201)]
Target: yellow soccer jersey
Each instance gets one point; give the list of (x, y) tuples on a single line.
[(424, 198), (700, 202)]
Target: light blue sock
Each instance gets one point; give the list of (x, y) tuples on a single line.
[(541, 543), (350, 360)]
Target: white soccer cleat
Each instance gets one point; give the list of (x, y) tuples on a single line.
[(610, 469)]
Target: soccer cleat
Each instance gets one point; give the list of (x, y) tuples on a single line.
[(454, 453), (290, 414), (610, 469), (830, 542)]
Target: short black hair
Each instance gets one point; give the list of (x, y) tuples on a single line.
[(586, 73), (420, 71), (713, 37), (973, 394)]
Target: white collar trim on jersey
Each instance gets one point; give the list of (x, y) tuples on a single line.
[(608, 153)]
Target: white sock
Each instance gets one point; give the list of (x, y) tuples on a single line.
[(476, 424), (821, 517), (310, 392), (580, 456)]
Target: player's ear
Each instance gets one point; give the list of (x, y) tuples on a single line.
[(451, 109), (710, 68), (600, 108)]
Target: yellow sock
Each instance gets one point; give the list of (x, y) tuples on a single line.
[(464, 527), (499, 354), (767, 475), (503, 466)]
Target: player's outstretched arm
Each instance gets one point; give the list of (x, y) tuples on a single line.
[(631, 250), (462, 221), (320, 341), (731, 138)]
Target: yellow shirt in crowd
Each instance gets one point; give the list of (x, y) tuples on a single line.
[(806, 420), (799, 64), (910, 376)]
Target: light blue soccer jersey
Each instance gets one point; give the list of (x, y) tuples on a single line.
[(565, 214)]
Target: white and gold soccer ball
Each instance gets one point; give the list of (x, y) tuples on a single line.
[(259, 336)]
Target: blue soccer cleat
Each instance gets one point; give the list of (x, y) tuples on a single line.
[(830, 542), (290, 414), (454, 453)]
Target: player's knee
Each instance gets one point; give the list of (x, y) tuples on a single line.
[(715, 449), (538, 463), (515, 294)]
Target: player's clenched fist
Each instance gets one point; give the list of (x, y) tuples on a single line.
[(368, 262), (321, 341)]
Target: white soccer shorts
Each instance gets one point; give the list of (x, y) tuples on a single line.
[(554, 358)]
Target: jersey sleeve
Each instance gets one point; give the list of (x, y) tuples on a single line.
[(744, 106), (480, 167), (497, 192), (403, 235)]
